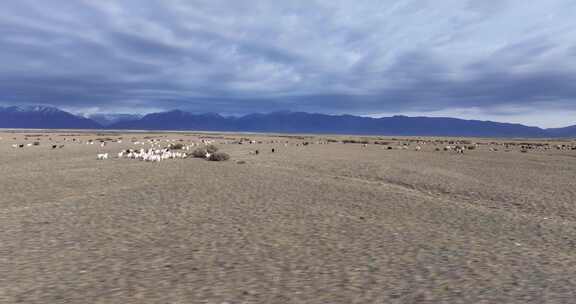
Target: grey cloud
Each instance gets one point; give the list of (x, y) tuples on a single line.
[(257, 56), (487, 6)]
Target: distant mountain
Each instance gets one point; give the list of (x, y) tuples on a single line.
[(109, 119), (177, 120), (299, 122), (563, 132), (42, 117)]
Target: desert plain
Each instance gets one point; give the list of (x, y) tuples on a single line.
[(372, 220)]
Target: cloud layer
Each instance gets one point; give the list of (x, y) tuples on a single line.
[(498, 59)]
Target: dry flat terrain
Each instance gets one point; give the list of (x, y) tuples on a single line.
[(317, 223)]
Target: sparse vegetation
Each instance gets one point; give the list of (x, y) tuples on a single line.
[(211, 149), (354, 141), (199, 153), (219, 156), (176, 146)]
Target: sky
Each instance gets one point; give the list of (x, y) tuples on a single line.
[(501, 60)]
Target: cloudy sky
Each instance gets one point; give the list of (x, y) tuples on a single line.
[(503, 60)]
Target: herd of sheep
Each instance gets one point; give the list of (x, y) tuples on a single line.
[(146, 154), (157, 150)]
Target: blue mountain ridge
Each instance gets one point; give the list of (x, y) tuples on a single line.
[(42, 117)]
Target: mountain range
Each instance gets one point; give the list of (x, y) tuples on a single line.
[(109, 119), (43, 117)]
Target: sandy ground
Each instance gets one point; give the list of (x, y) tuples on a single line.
[(323, 223)]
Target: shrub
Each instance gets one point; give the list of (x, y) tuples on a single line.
[(176, 146), (200, 152), (354, 141), (211, 148), (219, 156)]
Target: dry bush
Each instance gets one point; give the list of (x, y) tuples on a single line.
[(211, 149), (199, 152), (355, 141), (219, 156)]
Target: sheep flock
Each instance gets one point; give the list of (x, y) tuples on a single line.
[(161, 148)]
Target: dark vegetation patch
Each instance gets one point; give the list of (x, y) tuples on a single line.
[(177, 146), (211, 149), (199, 152), (219, 156), (355, 141)]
